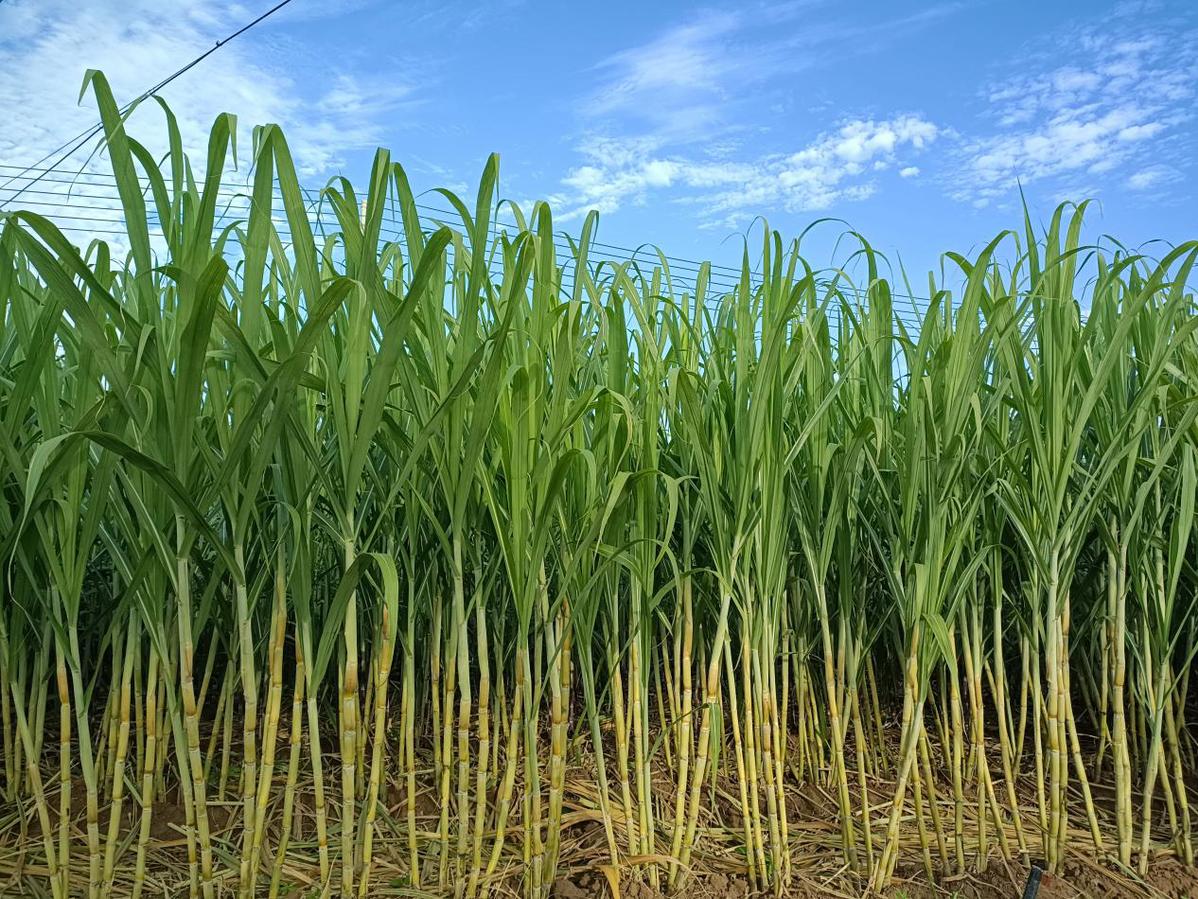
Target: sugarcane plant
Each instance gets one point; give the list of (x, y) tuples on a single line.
[(350, 550)]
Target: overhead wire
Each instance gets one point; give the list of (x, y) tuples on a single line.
[(72, 146), (721, 278)]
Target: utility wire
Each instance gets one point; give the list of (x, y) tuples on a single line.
[(722, 278), (907, 307), (105, 215), (676, 262), (72, 146)]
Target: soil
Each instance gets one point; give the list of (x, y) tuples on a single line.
[(589, 884), (1173, 879), (1169, 879), (718, 861)]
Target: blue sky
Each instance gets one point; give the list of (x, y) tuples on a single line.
[(681, 123)]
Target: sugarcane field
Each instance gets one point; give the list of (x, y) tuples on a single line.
[(358, 540)]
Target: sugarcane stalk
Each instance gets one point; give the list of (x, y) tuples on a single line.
[(293, 765), (117, 792), (383, 658), (711, 696), (149, 772)]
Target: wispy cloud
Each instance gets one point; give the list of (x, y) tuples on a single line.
[(679, 116), (678, 79), (840, 165), (1153, 176), (47, 46), (1105, 98), (693, 81)]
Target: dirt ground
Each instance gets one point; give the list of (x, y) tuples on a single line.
[(718, 860), (1169, 879)]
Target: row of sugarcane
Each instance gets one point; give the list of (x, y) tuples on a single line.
[(456, 531)]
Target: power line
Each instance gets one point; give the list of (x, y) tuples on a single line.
[(676, 263), (83, 137), (721, 278), (428, 212), (907, 307), (71, 212), (903, 304)]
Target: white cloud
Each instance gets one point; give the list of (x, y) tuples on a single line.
[(909, 171), (1153, 176), (836, 167), (687, 57), (702, 112), (678, 81), (46, 46), (1116, 104), (692, 81)]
